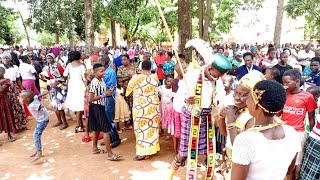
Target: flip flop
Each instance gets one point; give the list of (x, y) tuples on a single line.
[(11, 139), (98, 151), (114, 157), (57, 124), (63, 126), (86, 138), (140, 158)]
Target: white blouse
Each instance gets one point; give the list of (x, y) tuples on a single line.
[(267, 159), (26, 71), (166, 94), (11, 73)]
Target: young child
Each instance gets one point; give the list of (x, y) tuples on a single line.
[(40, 113), (86, 137), (298, 103), (271, 60), (166, 95), (272, 74), (122, 112), (97, 119), (283, 66), (6, 113)]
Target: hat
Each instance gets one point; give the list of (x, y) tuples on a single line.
[(251, 79), (221, 63), (6, 54), (238, 53), (51, 54)]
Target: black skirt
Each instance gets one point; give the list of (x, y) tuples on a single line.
[(98, 119)]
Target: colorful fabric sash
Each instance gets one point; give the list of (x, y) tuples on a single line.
[(196, 119)]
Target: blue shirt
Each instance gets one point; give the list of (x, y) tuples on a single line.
[(243, 70), (110, 78), (314, 78), (118, 61), (168, 67)]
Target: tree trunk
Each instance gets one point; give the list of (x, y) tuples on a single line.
[(71, 39), (57, 37), (113, 33), (207, 20), (200, 17), (23, 23), (185, 26), (278, 25), (89, 31)]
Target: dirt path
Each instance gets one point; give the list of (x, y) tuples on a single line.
[(67, 157)]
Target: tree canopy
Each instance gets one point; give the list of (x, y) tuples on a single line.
[(8, 31)]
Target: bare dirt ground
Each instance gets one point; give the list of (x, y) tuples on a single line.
[(67, 157)]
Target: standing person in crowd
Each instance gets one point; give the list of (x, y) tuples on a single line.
[(61, 59), (314, 76), (310, 164), (291, 60), (204, 80), (110, 79), (249, 66), (75, 70), (98, 120), (145, 112), (7, 123), (168, 66), (40, 113), (268, 149), (125, 72), (166, 95), (298, 103), (283, 65), (12, 73), (271, 59), (28, 75), (58, 91), (147, 56), (159, 60), (122, 111), (305, 55)]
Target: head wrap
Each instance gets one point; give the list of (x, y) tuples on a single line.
[(6, 54), (251, 79), (221, 63), (253, 49), (51, 54)]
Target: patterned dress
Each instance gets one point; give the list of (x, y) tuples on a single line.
[(145, 112), (123, 72), (6, 115), (58, 94)]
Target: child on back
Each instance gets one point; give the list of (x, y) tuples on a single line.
[(298, 104), (122, 111), (40, 113), (98, 120), (166, 95)]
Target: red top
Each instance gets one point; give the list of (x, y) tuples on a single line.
[(159, 60), (296, 107)]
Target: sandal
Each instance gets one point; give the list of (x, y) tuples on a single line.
[(63, 126), (86, 138), (114, 157), (98, 151), (11, 138), (57, 124), (140, 158), (79, 129)]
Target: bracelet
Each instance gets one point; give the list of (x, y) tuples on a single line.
[(230, 124), (231, 127)]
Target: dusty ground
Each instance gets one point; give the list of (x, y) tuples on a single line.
[(67, 157)]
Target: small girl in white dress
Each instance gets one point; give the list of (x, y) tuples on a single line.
[(122, 112)]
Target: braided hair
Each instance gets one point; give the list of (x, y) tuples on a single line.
[(273, 98)]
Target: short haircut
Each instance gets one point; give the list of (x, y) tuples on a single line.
[(248, 54), (283, 53), (286, 49), (168, 76), (126, 55), (271, 49), (294, 74), (182, 56), (97, 65), (315, 91), (24, 59), (146, 65), (104, 59), (275, 72), (74, 56), (170, 54), (315, 59), (274, 97)]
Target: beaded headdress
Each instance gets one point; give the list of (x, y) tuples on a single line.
[(256, 96)]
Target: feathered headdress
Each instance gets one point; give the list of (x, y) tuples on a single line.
[(203, 48)]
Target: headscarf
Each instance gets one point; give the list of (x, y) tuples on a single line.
[(52, 55), (6, 54)]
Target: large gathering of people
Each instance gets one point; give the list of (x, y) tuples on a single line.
[(252, 109)]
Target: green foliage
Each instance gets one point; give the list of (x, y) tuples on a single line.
[(63, 16), (310, 9), (46, 38), (8, 30)]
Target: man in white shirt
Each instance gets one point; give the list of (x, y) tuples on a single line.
[(304, 56), (198, 97)]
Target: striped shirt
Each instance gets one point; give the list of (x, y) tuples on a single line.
[(97, 87)]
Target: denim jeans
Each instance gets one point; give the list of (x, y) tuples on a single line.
[(110, 108), (41, 126)]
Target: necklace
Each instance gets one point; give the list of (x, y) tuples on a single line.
[(258, 128)]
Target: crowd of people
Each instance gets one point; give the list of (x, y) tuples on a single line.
[(255, 106)]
